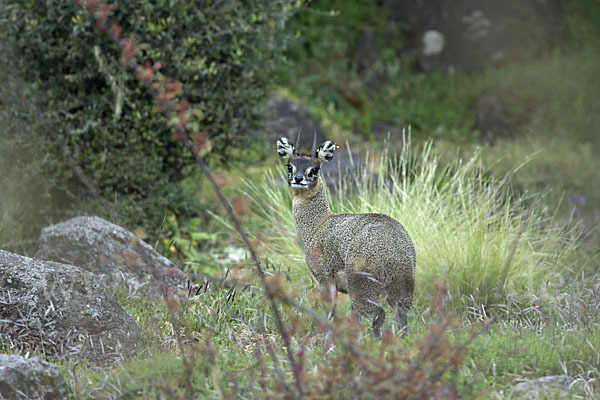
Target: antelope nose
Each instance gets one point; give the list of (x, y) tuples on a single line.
[(298, 177)]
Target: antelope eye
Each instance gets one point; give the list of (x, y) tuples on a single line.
[(289, 167), (313, 171)]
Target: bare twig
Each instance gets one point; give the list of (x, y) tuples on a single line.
[(257, 262), (83, 177)]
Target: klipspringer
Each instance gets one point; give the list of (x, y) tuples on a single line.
[(365, 255)]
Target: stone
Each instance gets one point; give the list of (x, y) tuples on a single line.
[(499, 114), (475, 34), (389, 133), (30, 378), (366, 59), (63, 311), (285, 118), (345, 172), (111, 252), (555, 386), (433, 43)]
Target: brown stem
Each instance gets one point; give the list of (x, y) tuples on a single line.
[(168, 110), (83, 177), (257, 262)]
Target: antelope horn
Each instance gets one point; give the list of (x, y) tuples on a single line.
[(298, 142), (313, 152)]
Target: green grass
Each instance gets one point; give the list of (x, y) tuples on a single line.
[(139, 378), (235, 359), (502, 353), (470, 232), (561, 135), (537, 330)]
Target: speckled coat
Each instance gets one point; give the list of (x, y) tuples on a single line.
[(365, 255)]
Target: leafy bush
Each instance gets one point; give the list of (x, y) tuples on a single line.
[(221, 51)]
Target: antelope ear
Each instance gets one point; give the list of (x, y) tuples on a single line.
[(285, 149), (326, 150)]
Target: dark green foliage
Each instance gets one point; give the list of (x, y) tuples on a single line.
[(582, 18), (222, 52), (353, 89)]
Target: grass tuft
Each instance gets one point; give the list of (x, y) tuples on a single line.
[(472, 234)]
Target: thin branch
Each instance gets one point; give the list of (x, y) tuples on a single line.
[(164, 100), (83, 177), (257, 262)]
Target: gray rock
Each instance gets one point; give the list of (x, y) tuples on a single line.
[(390, 133), (432, 43), (366, 59), (63, 311), (285, 118), (499, 113), (543, 387), (474, 34), (112, 253), (30, 378), (345, 172)]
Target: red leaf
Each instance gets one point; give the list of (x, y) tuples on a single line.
[(115, 31)]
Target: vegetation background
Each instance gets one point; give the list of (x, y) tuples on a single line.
[(508, 281)]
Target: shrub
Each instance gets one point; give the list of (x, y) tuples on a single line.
[(222, 52)]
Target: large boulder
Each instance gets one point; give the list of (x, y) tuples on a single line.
[(366, 60), (285, 118), (345, 173), (499, 114), (391, 134), (112, 253), (546, 387), (474, 34), (30, 378), (62, 311)]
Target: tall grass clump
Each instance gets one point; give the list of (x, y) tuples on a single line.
[(473, 235)]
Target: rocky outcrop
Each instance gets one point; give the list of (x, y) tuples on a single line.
[(474, 34), (366, 60), (392, 134), (556, 386), (499, 115), (285, 118), (112, 253), (345, 172), (30, 378), (62, 311)]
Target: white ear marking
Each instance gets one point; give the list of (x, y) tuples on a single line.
[(326, 150), (285, 148)]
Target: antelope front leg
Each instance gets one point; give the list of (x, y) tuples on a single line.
[(329, 298), (333, 296), (329, 295)]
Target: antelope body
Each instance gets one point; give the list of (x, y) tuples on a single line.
[(364, 255)]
